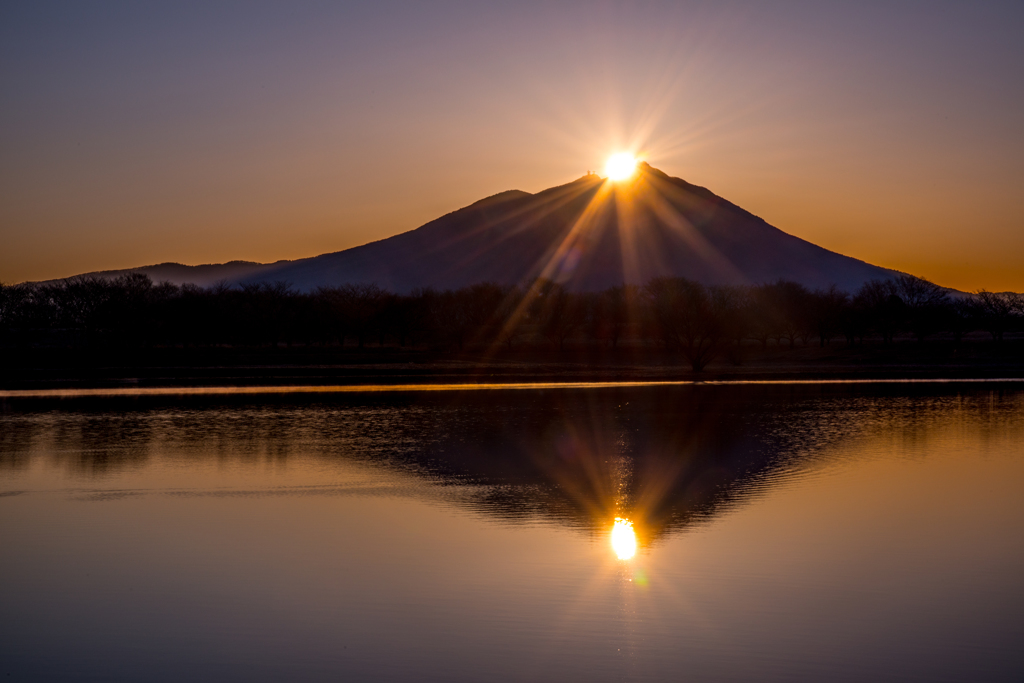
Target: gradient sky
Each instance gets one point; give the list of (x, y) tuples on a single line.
[(138, 133)]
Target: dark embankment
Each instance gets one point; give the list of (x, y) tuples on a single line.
[(168, 367)]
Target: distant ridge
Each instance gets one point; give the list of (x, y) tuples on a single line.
[(206, 275), (588, 234)]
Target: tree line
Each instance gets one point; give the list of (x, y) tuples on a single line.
[(697, 321)]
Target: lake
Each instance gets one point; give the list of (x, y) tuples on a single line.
[(774, 532)]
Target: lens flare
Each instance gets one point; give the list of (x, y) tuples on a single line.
[(623, 538), (620, 166)]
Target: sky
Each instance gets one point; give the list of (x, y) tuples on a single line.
[(139, 133)]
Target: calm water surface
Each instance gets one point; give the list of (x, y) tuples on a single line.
[(792, 533)]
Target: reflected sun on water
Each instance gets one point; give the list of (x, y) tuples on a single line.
[(623, 539)]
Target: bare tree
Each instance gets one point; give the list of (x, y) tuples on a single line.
[(998, 311), (559, 313), (361, 304), (511, 314), (884, 309), (613, 311), (828, 309), (691, 317), (924, 302), (961, 315)]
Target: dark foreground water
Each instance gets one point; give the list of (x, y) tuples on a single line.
[(797, 533)]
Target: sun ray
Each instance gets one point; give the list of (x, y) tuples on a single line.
[(670, 215), (587, 218), (631, 229), (552, 260)]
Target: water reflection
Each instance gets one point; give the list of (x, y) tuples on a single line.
[(623, 538), (859, 535), (656, 460)]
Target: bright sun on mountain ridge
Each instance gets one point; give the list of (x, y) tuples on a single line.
[(620, 166)]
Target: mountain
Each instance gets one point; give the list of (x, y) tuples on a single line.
[(589, 234)]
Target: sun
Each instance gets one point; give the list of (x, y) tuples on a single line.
[(620, 166)]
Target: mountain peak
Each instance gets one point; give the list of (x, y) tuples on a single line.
[(588, 239)]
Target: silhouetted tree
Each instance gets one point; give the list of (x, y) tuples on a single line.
[(760, 315), (450, 317), (828, 309), (559, 314), (960, 316), (361, 305), (998, 311), (611, 312), (924, 304), (884, 310), (511, 314), (793, 304), (406, 317), (690, 317), (686, 317), (11, 304), (483, 303)]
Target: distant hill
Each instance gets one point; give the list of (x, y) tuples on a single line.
[(206, 275), (589, 234)]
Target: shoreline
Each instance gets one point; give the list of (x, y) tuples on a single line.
[(507, 386), (169, 367)]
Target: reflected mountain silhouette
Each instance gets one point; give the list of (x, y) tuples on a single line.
[(664, 457)]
